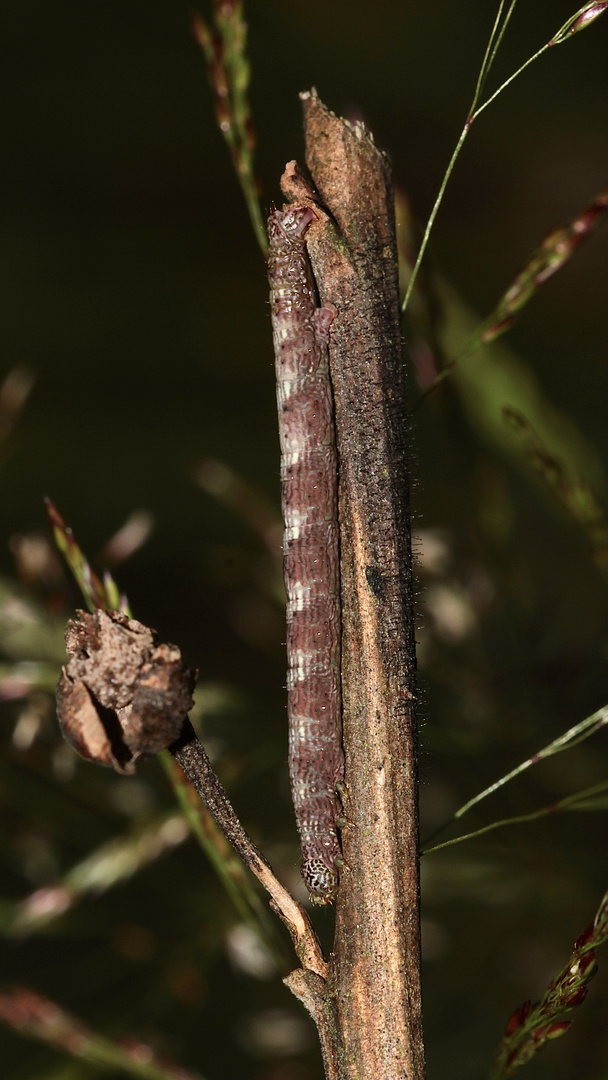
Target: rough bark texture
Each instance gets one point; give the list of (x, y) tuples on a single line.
[(375, 966)]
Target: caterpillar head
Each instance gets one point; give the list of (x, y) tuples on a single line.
[(290, 224), (320, 880)]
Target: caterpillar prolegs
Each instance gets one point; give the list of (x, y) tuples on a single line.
[(309, 495)]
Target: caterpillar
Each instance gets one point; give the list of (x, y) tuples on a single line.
[(309, 497)]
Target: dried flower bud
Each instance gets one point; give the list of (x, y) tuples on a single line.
[(121, 696), (555, 1030), (584, 967), (575, 998), (588, 14), (518, 1018), (579, 21), (585, 937)]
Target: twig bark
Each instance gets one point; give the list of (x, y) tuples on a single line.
[(191, 756), (375, 968), (308, 983)]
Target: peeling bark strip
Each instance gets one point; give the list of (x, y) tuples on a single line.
[(309, 489)]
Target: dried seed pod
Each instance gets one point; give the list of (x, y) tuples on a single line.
[(121, 695)]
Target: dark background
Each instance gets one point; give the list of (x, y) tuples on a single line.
[(133, 289)]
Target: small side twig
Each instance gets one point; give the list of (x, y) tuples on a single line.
[(229, 868), (320, 1002), (190, 754)]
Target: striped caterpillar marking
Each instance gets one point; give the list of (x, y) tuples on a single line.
[(309, 493)]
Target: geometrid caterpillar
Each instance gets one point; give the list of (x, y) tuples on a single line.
[(309, 495)]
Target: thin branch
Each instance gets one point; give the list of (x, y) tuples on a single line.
[(351, 242), (190, 754), (227, 865)]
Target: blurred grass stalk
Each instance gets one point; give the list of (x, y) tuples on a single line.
[(97, 593), (31, 641), (231, 490), (575, 494), (14, 392), (112, 864), (506, 404), (38, 1017), (225, 50), (554, 251), (533, 1025), (499, 394), (25, 677)]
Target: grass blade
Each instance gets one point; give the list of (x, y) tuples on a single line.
[(225, 49)]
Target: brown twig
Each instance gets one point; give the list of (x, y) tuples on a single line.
[(353, 252), (320, 1001), (190, 754)]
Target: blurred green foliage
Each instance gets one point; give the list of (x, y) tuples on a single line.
[(135, 293)]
